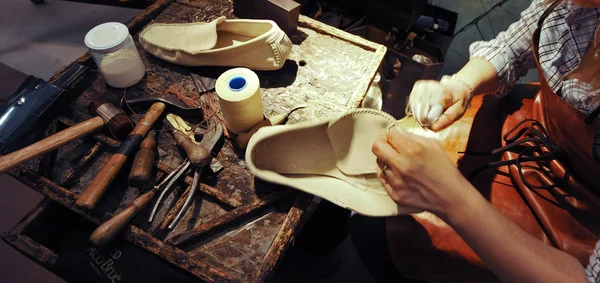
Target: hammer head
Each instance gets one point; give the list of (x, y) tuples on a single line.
[(173, 105), (119, 124)]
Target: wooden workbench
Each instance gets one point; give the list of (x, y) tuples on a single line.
[(246, 224)]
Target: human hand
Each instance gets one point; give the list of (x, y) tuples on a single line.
[(417, 172), (438, 104)]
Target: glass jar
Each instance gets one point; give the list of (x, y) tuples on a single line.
[(116, 55)]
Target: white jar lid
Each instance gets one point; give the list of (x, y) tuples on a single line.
[(106, 37)]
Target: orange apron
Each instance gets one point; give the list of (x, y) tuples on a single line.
[(561, 209)]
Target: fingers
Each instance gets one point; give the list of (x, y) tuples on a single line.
[(422, 110), (434, 113), (441, 96), (412, 150), (400, 140), (451, 114), (387, 161), (417, 94), (393, 184), (393, 178), (386, 184), (424, 96), (384, 151)]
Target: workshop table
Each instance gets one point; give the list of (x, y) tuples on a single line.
[(242, 225)]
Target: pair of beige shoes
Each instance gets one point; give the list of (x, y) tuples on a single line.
[(255, 44)]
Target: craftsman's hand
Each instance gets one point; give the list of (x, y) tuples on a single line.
[(418, 173), (438, 104)]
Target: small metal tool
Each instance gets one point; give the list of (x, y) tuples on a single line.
[(203, 84), (198, 155), (106, 233)]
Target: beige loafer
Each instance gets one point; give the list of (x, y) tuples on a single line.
[(330, 159), (254, 44)]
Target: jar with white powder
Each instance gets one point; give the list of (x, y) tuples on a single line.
[(114, 51)]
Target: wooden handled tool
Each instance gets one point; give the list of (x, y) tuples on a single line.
[(112, 227), (141, 171), (196, 153), (92, 194), (242, 139), (108, 114)]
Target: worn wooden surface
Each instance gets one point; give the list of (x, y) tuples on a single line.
[(328, 70), (227, 218)]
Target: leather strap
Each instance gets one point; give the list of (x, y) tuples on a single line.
[(548, 11), (530, 143)]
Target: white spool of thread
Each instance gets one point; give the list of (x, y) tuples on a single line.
[(240, 99)]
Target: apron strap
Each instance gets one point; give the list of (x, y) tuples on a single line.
[(548, 11), (540, 22)]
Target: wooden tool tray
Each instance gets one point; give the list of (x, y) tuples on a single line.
[(242, 226)]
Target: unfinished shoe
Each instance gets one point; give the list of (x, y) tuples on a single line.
[(255, 44), (333, 159), (330, 159)]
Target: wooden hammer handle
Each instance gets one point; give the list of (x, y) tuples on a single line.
[(92, 194), (112, 227), (143, 162), (50, 143)]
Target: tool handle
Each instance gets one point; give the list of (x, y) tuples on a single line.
[(108, 231), (197, 154), (141, 171), (92, 194), (50, 143), (242, 139)]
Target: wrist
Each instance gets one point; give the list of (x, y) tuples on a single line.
[(458, 80)]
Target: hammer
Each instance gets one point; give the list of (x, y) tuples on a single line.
[(90, 197), (108, 114)]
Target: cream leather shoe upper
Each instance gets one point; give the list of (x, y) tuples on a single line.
[(330, 159), (255, 44)]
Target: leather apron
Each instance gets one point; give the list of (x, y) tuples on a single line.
[(566, 216)]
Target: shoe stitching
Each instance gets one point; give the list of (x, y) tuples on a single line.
[(369, 111), (170, 25), (272, 45), (276, 52), (338, 178)]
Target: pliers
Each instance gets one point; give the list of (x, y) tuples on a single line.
[(199, 156)]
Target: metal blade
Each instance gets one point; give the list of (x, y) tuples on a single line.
[(203, 84), (213, 134)]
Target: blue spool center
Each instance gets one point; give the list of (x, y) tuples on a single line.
[(237, 83)]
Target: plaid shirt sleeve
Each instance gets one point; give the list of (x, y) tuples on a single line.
[(511, 52), (593, 269)]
